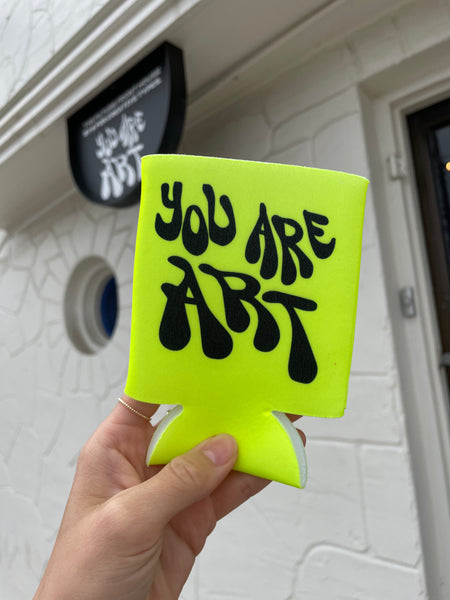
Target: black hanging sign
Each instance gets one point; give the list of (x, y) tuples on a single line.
[(140, 113)]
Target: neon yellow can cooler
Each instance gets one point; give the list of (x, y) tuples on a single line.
[(244, 303)]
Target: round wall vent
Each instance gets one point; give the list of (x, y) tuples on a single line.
[(91, 305)]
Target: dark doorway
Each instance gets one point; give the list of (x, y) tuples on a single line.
[(429, 131)]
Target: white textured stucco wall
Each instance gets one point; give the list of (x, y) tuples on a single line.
[(353, 532)]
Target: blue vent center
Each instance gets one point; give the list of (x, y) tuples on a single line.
[(108, 306)]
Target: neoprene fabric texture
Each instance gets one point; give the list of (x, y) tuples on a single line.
[(244, 303)]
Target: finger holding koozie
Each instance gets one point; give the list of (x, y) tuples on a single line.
[(244, 303)]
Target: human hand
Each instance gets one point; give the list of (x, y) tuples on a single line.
[(130, 531)]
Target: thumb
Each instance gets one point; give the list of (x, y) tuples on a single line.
[(185, 480)]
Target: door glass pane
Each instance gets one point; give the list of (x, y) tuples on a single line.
[(439, 143)]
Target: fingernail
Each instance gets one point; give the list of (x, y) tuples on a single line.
[(220, 448)]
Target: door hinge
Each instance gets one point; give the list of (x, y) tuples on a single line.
[(396, 166)]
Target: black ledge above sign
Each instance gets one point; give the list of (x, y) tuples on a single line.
[(140, 113)]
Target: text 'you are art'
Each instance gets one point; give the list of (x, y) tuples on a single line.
[(196, 233)]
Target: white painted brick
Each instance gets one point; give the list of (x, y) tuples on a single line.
[(8, 79), (389, 504), (422, 24), (125, 295), (40, 5), (55, 332), (52, 290), (11, 334), (100, 386), (23, 546), (124, 317), (97, 212), (79, 422), (8, 6), (13, 286), (41, 41), (370, 414), (58, 354), (327, 74), (333, 497), (103, 234), (332, 573), (299, 154), (72, 372), (66, 23), (262, 543), (4, 474), (242, 134), (376, 47), (39, 274), (24, 463), (64, 218), (83, 235), (85, 373), (31, 315), (308, 122), (38, 231), (370, 239), (23, 369), (49, 413), (5, 250), (7, 381), (339, 145), (23, 254), (68, 251), (15, 35), (47, 379), (48, 247), (115, 362), (118, 242), (11, 423), (52, 313), (124, 268), (59, 269), (245, 559), (56, 481), (372, 350)]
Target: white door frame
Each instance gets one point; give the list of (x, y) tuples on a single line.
[(425, 398)]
